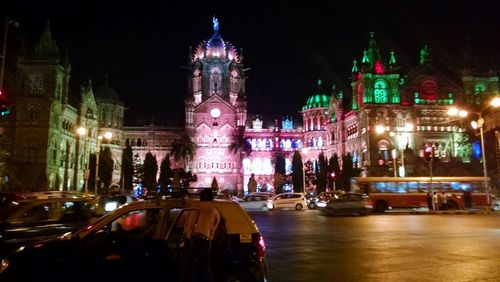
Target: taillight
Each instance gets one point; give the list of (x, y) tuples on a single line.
[(369, 203), (261, 248)]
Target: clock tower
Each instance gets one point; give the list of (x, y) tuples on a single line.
[(215, 108)]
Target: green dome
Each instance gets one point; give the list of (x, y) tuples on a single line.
[(317, 101)]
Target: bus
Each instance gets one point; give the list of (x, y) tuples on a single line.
[(415, 192)]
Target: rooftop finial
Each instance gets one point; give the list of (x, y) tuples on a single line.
[(216, 23)]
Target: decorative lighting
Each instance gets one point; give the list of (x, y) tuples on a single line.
[(379, 129), (495, 102)]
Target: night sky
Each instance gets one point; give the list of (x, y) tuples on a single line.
[(288, 45)]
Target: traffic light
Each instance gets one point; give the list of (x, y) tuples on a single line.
[(5, 105), (428, 153)]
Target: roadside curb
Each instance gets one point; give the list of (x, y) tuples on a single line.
[(455, 212)]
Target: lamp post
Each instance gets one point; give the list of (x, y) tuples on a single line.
[(394, 154), (475, 124), (4, 48), (82, 131), (380, 129), (108, 135), (495, 102)]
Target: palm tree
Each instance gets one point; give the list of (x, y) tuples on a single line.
[(240, 145), (184, 148)]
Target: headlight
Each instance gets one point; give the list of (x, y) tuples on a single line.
[(322, 204), (4, 265), (110, 206)]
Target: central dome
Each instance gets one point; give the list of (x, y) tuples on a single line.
[(318, 100), (216, 48)]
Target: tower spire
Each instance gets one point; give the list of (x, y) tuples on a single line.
[(46, 47)]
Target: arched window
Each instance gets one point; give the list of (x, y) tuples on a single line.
[(380, 92), (399, 120), (320, 141)]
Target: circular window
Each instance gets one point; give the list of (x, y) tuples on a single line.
[(215, 113)]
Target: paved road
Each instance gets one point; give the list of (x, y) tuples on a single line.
[(307, 246)]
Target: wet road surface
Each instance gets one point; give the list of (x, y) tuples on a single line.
[(307, 246)]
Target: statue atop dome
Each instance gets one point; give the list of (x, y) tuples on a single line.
[(216, 24)]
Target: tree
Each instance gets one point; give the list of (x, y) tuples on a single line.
[(279, 172), (150, 170), (348, 172), (91, 180), (165, 173), (214, 186), (184, 148), (298, 172), (334, 167), (239, 144), (105, 168), (138, 169), (127, 167), (321, 174)]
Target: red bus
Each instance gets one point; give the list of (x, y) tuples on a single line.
[(415, 192)]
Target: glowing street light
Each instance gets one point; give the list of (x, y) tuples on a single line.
[(379, 129), (82, 131), (495, 102)]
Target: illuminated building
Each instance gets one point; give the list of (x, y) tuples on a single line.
[(45, 153)]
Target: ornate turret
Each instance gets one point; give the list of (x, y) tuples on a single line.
[(216, 70)]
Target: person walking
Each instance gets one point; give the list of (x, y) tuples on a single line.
[(200, 268)]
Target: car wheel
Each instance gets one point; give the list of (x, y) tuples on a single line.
[(380, 206), (450, 205), (264, 208), (298, 207), (496, 207), (311, 206)]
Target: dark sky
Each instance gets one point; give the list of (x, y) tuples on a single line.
[(288, 45)]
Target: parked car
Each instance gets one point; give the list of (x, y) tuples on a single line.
[(349, 203), (36, 219), (291, 200), (495, 202), (143, 240), (323, 198), (254, 201)]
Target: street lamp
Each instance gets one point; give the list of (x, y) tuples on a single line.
[(380, 129), (495, 102), (394, 154), (304, 151), (82, 131), (107, 135), (4, 49)]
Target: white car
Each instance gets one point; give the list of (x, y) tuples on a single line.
[(254, 201), (291, 200)]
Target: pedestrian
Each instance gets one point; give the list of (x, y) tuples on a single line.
[(429, 201), (201, 239), (467, 199), (435, 199), (443, 200)]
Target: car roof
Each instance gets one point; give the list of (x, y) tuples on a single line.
[(236, 219), (17, 208)]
